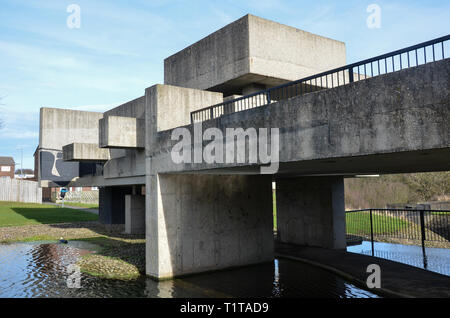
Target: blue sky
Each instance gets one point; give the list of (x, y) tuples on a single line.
[(120, 47)]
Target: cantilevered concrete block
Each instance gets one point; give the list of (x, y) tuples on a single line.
[(59, 127), (85, 152), (121, 132), (252, 51)]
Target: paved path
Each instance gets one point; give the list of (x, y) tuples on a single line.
[(95, 211), (397, 279)]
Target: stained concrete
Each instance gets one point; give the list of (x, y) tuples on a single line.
[(252, 51), (57, 128), (198, 223), (83, 152), (401, 115), (121, 132), (311, 211)]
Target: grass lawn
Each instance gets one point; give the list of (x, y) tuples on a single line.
[(16, 213), (81, 205), (359, 223)]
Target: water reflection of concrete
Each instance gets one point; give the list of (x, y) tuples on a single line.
[(39, 270)]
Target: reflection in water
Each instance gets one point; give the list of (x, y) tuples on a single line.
[(435, 260), (39, 270)]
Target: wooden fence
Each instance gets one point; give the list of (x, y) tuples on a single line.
[(16, 190)]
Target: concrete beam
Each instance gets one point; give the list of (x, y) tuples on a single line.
[(85, 152), (391, 123), (121, 132)]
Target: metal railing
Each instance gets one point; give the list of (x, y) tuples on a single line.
[(407, 224), (411, 56)]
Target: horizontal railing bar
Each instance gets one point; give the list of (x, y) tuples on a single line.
[(406, 210)]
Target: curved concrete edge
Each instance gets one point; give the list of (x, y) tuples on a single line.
[(359, 283)]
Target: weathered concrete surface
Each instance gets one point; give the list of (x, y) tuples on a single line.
[(85, 152), (170, 106), (311, 211), (252, 50), (199, 223), (112, 204), (60, 127), (134, 214), (121, 132), (134, 108), (357, 128), (397, 279)]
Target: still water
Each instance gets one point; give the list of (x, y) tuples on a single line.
[(435, 259), (40, 270)]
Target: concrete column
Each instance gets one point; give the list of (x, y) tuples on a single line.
[(134, 214), (198, 223), (112, 204), (311, 211)]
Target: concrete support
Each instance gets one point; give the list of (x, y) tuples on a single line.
[(198, 223), (134, 214), (112, 204), (311, 211)]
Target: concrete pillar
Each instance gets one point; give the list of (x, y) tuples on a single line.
[(112, 204), (134, 214), (198, 223), (311, 211)]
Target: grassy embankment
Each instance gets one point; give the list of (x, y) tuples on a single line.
[(359, 223), (119, 256)]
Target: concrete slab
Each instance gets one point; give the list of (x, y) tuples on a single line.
[(121, 132), (397, 279), (85, 152)]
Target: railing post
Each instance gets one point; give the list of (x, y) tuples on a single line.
[(211, 113), (268, 97), (371, 233), (422, 231), (350, 75)]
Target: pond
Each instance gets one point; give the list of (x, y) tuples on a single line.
[(40, 270), (435, 259)]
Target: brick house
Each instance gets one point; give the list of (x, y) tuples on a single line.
[(7, 167)]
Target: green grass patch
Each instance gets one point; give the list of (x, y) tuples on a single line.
[(116, 259), (17, 214), (359, 223), (81, 205)]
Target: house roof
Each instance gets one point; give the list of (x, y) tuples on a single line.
[(7, 161)]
